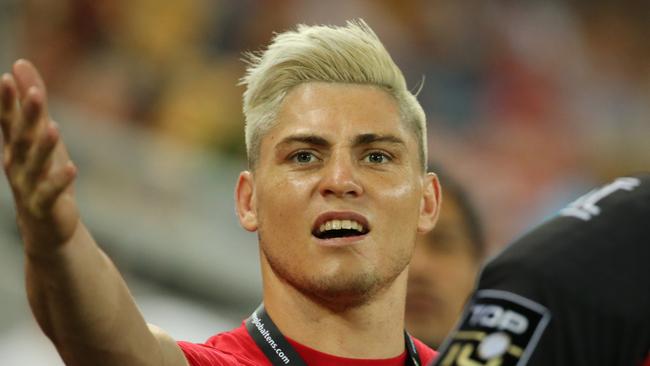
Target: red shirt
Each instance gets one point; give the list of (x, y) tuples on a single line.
[(238, 348)]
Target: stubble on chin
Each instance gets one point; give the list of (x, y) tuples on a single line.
[(337, 292)]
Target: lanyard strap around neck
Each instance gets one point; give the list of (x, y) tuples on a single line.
[(279, 352)]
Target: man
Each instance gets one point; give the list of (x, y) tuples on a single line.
[(444, 267), (574, 291), (337, 191)]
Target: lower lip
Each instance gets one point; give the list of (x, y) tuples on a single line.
[(340, 242)]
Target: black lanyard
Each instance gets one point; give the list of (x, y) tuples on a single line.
[(278, 350)]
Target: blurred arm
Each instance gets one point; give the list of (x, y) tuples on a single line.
[(77, 295)]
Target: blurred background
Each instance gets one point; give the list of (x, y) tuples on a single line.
[(528, 104)]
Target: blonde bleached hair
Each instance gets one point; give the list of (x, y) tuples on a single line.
[(350, 54)]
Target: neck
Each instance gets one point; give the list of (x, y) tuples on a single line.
[(372, 330)]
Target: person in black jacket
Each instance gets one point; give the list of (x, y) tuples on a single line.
[(573, 291)]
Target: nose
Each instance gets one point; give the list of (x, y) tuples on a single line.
[(340, 178)]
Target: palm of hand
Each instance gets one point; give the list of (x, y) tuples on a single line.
[(36, 162)]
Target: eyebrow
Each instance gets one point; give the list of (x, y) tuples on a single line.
[(369, 138), (362, 139), (305, 139)]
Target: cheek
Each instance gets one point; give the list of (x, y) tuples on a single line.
[(400, 189), (403, 204), (279, 201)]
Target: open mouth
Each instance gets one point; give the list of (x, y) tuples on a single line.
[(335, 228)]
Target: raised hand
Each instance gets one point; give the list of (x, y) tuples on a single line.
[(36, 162), (76, 294)]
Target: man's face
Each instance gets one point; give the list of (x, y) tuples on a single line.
[(441, 276), (338, 193)]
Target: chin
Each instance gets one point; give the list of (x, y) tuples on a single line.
[(338, 285), (341, 291)]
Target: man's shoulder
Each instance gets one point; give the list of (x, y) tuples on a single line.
[(234, 347), (605, 228)]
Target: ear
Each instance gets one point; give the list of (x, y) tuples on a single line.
[(245, 201), (430, 207)]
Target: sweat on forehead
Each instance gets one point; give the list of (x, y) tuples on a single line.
[(351, 54)]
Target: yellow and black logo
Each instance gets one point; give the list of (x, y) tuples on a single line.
[(498, 328)]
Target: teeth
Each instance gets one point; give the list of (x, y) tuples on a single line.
[(341, 224)]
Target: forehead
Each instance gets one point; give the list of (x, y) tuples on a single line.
[(339, 111)]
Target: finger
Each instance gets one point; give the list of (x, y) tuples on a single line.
[(8, 95), (27, 76), (49, 190), (28, 128), (40, 160)]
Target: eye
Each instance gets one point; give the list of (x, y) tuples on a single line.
[(377, 157), (303, 157)]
